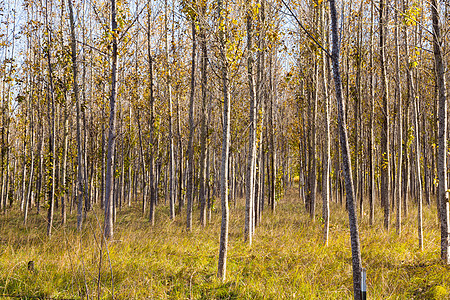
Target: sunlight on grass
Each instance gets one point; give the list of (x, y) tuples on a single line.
[(286, 261)]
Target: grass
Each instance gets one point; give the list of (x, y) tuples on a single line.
[(286, 261)]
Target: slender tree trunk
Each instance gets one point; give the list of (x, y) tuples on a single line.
[(78, 108), (250, 174), (385, 148), (103, 170), (51, 112), (356, 252), (357, 114), (190, 179), (372, 116), (64, 195), (312, 161), (412, 97), (180, 186), (41, 169), (327, 158), (272, 150), (203, 175), (122, 175), (260, 95), (223, 248), (171, 144), (406, 170), (398, 191), (109, 185), (23, 197), (211, 185), (419, 178), (85, 141), (29, 197), (30, 182), (143, 166), (153, 189), (442, 133)]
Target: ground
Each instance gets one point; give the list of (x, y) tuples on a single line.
[(286, 261)]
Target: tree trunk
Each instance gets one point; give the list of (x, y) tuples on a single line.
[(78, 108), (171, 193), (223, 248), (143, 166), (327, 158), (442, 133), (398, 191), (250, 174), (109, 204), (372, 116), (385, 148), (30, 182), (412, 97), (190, 173), (64, 168), (272, 150), (203, 175), (356, 252), (51, 125), (153, 189)]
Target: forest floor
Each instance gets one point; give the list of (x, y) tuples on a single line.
[(286, 261)]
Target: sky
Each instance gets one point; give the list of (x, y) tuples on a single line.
[(12, 19), (12, 16)]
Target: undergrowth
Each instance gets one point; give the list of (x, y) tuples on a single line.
[(287, 260)]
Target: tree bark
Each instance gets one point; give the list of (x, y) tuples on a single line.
[(398, 191), (203, 176), (385, 148), (327, 158), (442, 132), (64, 195), (171, 144), (372, 116), (356, 252), (73, 45), (223, 248), (51, 112), (250, 174), (109, 185), (30, 182), (272, 151), (153, 189), (190, 173), (412, 97)]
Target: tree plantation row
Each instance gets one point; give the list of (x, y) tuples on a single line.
[(199, 103)]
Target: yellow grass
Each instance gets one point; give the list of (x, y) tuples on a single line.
[(286, 261)]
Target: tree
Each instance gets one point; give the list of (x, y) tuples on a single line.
[(73, 43), (442, 150), (223, 248), (385, 148), (153, 194), (412, 97), (251, 170), (51, 125), (372, 113), (398, 191), (203, 174), (171, 142), (354, 234), (190, 174), (327, 158), (109, 204)]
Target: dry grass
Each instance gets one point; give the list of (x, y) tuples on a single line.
[(286, 261)]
